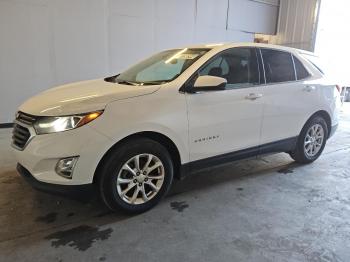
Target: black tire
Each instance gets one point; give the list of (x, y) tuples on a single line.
[(299, 154), (107, 176)]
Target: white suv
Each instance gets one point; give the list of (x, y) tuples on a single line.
[(176, 112)]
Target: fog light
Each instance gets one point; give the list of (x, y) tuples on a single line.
[(65, 166)]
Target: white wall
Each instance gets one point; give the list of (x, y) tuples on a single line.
[(297, 24), (44, 43)]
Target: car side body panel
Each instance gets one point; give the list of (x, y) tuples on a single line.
[(222, 122), (164, 112)]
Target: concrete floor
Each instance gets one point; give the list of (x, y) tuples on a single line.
[(268, 209)]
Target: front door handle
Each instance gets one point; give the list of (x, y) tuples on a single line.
[(253, 96), (309, 88)]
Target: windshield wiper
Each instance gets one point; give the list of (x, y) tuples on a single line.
[(111, 78), (124, 82), (114, 79), (159, 82)]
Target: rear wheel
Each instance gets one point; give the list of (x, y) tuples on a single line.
[(136, 176), (311, 141)]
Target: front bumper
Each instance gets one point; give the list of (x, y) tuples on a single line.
[(43, 152), (73, 191)]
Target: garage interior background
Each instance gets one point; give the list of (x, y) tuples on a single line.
[(45, 43)]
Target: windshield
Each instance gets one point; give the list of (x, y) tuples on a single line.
[(160, 68)]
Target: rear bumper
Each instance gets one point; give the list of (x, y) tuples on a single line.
[(65, 190)]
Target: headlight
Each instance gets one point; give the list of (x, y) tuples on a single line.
[(46, 125)]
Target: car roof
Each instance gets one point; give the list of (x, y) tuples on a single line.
[(223, 46)]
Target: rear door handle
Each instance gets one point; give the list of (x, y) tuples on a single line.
[(309, 88), (253, 96)]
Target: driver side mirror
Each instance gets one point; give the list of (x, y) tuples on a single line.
[(209, 83)]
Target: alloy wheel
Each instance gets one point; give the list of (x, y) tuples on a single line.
[(140, 179), (313, 140)]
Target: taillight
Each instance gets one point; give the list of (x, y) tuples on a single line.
[(339, 88)]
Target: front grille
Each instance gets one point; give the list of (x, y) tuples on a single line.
[(20, 133), (20, 136)]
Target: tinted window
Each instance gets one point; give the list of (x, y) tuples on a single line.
[(302, 73), (278, 66), (218, 62), (239, 66)]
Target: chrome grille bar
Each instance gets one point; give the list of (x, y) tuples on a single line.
[(21, 133), (25, 118)]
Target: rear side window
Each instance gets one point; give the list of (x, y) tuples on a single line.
[(278, 66), (316, 62), (301, 71)]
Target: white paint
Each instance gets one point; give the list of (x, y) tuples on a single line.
[(227, 114), (44, 43), (80, 97), (209, 81), (231, 120), (253, 16)]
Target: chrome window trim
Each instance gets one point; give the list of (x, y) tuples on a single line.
[(263, 65), (286, 82), (295, 70)]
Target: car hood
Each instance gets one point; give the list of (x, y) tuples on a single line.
[(81, 97)]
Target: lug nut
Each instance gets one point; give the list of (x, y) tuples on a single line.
[(144, 172), (146, 179), (135, 181), (138, 173), (140, 184)]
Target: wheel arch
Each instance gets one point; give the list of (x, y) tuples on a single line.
[(325, 115), (155, 136)]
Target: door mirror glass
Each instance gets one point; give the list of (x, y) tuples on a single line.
[(209, 83)]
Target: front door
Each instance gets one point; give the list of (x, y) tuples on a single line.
[(230, 120)]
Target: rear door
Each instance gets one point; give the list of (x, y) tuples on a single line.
[(288, 97)]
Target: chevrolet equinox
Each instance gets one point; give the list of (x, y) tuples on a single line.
[(179, 111)]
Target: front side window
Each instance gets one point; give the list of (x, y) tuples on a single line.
[(162, 67), (239, 66), (300, 69), (278, 66)]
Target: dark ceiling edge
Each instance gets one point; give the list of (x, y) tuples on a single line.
[(6, 125)]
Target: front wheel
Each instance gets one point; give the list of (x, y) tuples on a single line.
[(311, 141), (136, 176)]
